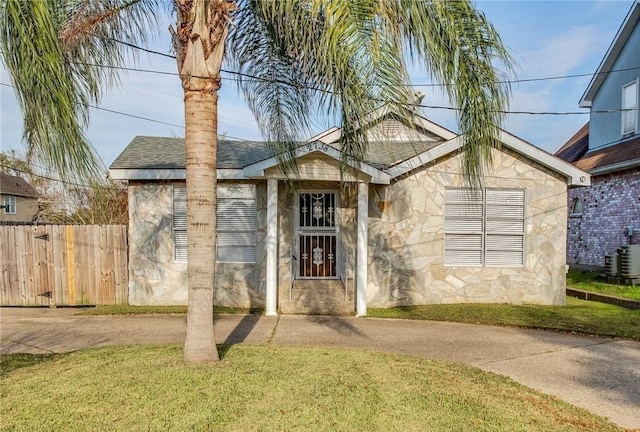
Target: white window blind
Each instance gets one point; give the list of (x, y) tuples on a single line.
[(484, 227), (236, 223), (630, 103)]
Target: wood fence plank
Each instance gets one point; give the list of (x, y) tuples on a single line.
[(71, 265), (77, 264)]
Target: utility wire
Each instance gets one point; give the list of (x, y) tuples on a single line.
[(61, 181), (515, 81)]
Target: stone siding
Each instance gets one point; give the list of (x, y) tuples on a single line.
[(609, 205), (406, 240), (156, 278)]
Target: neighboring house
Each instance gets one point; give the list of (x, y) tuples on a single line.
[(405, 230), (607, 215), (18, 199)]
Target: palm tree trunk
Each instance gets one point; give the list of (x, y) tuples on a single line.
[(201, 143)]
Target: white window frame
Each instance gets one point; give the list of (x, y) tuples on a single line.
[(633, 107), (484, 228), (235, 228), (10, 204)]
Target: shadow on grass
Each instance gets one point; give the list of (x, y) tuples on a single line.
[(12, 362)]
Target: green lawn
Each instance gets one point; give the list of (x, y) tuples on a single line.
[(260, 388), (158, 310), (588, 281), (577, 316)]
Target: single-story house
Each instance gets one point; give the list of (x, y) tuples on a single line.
[(404, 229)]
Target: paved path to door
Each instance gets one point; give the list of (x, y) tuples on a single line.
[(599, 374)]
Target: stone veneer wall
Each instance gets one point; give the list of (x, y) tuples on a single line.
[(609, 205), (155, 278), (406, 240)]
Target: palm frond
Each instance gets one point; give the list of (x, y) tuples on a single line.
[(53, 50)]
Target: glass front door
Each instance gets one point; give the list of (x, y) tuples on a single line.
[(317, 235)]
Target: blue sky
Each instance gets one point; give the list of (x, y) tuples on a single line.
[(547, 39)]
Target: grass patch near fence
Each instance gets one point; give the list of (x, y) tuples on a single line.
[(274, 388), (588, 281), (578, 316), (159, 310)]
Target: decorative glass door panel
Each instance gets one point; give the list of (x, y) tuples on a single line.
[(317, 235)]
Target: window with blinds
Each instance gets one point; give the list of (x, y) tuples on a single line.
[(236, 223), (484, 227)]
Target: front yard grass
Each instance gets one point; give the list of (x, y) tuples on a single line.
[(578, 316), (588, 281), (255, 388)]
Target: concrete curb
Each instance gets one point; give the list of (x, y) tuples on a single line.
[(603, 298)]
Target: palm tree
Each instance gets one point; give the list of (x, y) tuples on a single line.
[(298, 59)]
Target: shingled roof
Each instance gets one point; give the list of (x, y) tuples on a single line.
[(576, 147), (602, 160), (609, 158), (146, 152), (17, 186)]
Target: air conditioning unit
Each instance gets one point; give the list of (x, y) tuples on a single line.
[(629, 257), (611, 265)]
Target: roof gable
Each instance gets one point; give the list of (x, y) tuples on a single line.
[(574, 176), (607, 63), (12, 185)]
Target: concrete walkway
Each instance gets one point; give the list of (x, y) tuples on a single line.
[(599, 374)]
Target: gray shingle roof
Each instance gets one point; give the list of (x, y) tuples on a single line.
[(146, 152)]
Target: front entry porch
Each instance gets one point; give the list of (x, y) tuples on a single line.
[(310, 268), (319, 297)]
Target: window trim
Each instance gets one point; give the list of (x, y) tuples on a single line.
[(574, 204), (483, 232), (634, 114), (10, 205)]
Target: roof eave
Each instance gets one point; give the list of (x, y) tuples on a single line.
[(615, 167), (574, 175), (609, 59), (169, 174)]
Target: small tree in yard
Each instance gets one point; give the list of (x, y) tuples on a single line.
[(344, 56)]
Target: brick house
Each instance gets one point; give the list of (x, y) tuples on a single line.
[(606, 215)]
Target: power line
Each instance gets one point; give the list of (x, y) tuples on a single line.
[(515, 81), (141, 117), (60, 181)]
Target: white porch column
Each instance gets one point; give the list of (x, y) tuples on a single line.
[(271, 242), (361, 250)]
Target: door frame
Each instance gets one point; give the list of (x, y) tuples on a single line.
[(298, 231)]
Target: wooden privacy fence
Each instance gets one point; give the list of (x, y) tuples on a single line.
[(63, 265)]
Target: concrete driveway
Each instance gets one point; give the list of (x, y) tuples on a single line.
[(601, 375)]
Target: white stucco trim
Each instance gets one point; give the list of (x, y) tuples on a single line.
[(271, 243), (169, 174), (575, 176), (362, 259), (257, 170)]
